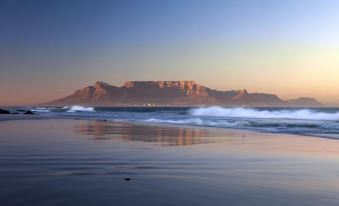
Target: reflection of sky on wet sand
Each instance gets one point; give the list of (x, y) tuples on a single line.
[(169, 136), (228, 140), (72, 162)]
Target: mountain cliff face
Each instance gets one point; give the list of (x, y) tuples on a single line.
[(172, 93)]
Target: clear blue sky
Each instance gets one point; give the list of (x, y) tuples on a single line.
[(50, 48)]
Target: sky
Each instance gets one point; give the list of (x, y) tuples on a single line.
[(50, 48)]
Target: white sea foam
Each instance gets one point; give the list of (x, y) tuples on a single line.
[(40, 109), (196, 121), (200, 122), (303, 114), (77, 108)]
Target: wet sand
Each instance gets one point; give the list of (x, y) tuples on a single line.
[(7, 117), (78, 162)]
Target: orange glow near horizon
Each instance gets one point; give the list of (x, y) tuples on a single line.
[(289, 72)]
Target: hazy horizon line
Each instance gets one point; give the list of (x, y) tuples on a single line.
[(196, 82)]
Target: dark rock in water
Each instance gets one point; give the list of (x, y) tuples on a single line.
[(29, 112), (20, 110), (127, 179), (2, 111), (15, 113)]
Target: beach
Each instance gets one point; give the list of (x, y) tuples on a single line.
[(169, 103), (7, 117), (89, 162)]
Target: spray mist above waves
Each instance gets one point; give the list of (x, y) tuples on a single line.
[(301, 114), (69, 109), (77, 108)]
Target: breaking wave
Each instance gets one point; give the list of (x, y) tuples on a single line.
[(302, 114), (77, 108), (315, 122), (200, 122), (41, 109)]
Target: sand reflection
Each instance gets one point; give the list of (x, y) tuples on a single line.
[(170, 136)]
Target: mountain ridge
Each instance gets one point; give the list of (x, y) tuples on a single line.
[(173, 93)]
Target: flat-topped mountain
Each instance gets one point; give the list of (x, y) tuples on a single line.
[(173, 93)]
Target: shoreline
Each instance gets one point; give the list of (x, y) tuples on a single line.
[(239, 140), (11, 117)]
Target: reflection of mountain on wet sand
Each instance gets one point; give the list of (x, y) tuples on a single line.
[(171, 136)]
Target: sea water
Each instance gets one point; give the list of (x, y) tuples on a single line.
[(322, 122)]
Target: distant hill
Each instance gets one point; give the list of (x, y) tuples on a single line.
[(173, 93)]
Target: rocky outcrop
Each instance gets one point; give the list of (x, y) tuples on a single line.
[(3, 111), (29, 112), (181, 87), (171, 93)]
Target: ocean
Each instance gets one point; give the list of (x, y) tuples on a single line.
[(320, 122)]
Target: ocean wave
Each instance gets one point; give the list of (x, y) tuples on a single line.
[(41, 109), (77, 108), (287, 126), (200, 122), (279, 120), (303, 114)]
